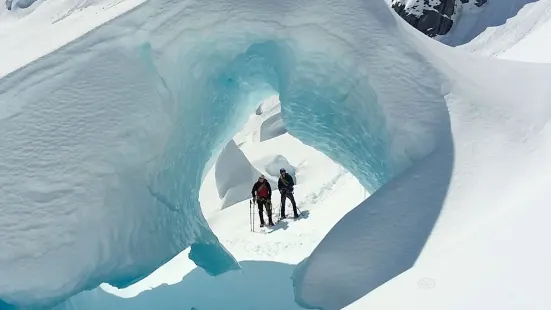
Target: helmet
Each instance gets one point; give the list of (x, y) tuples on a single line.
[(281, 170)]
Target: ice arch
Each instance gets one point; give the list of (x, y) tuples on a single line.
[(333, 110), (126, 128)]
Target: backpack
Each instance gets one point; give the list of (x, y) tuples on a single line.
[(262, 191)]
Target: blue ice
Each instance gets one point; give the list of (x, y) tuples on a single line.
[(210, 87), (329, 117), (337, 114)]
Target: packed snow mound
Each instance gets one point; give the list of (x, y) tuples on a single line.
[(234, 175), (273, 164), (272, 127)]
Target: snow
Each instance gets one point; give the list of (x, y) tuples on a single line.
[(509, 29), (110, 147), (270, 257), (378, 240), (275, 163), (272, 127), (26, 35), (114, 135), (234, 175), (534, 47), (199, 290), (492, 262)]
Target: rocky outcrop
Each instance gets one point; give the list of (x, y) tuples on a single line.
[(432, 17), (22, 4)]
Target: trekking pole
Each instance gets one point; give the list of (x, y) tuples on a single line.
[(254, 203), (251, 220)]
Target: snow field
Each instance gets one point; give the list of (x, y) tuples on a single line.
[(106, 141)]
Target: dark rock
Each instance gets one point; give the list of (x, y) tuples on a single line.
[(21, 4), (429, 17)]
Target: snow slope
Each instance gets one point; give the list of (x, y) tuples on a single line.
[(28, 34), (508, 29), (500, 262), (107, 140)]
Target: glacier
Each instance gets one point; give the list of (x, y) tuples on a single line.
[(106, 140), (108, 137)]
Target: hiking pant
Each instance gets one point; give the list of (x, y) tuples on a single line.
[(261, 204), (284, 195)]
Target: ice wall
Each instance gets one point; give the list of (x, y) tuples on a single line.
[(105, 141)]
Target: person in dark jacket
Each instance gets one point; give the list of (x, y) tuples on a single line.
[(262, 195), (285, 185)]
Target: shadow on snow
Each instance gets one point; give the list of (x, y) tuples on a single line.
[(258, 285), (493, 14)]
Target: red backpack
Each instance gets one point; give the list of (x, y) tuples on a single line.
[(262, 191)]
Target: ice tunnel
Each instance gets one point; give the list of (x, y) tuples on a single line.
[(126, 129)]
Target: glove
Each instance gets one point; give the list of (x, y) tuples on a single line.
[(254, 199)]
